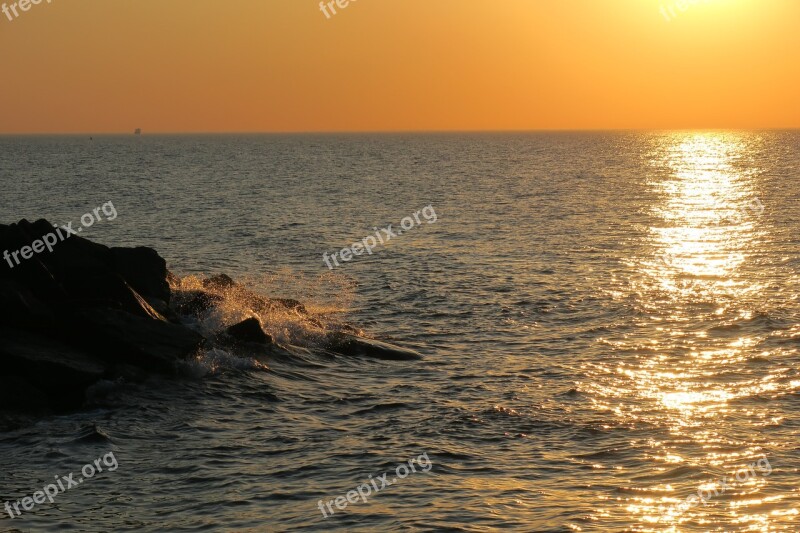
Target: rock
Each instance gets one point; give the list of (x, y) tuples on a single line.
[(104, 288), (18, 306), (196, 302), (144, 270), (54, 367), (73, 314), (37, 278), (219, 282), (288, 303), (128, 373), (352, 345), (16, 394), (68, 251), (117, 336), (77, 253), (249, 331), (79, 315), (163, 309)]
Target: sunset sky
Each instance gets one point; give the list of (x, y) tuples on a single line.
[(94, 66)]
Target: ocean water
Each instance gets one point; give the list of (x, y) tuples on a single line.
[(610, 324)]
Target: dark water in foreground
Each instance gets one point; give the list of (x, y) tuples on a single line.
[(610, 323)]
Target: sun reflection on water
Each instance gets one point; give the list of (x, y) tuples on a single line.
[(690, 378)]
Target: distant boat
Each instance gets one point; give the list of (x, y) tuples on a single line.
[(137, 131)]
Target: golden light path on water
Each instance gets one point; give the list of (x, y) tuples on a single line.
[(688, 374)]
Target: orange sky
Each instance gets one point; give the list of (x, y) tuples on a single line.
[(96, 66)]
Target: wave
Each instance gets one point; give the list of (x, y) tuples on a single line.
[(296, 331)]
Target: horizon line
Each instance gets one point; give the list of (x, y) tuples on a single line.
[(391, 132)]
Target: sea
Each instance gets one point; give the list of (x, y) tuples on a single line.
[(609, 324)]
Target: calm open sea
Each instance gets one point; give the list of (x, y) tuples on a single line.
[(610, 323)]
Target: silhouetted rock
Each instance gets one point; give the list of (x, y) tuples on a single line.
[(18, 394), (352, 345), (73, 312), (144, 269), (76, 253), (62, 372), (249, 331), (103, 288), (117, 336), (20, 307)]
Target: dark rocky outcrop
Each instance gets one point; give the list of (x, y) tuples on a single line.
[(80, 313)]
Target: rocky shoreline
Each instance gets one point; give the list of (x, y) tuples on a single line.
[(87, 312)]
